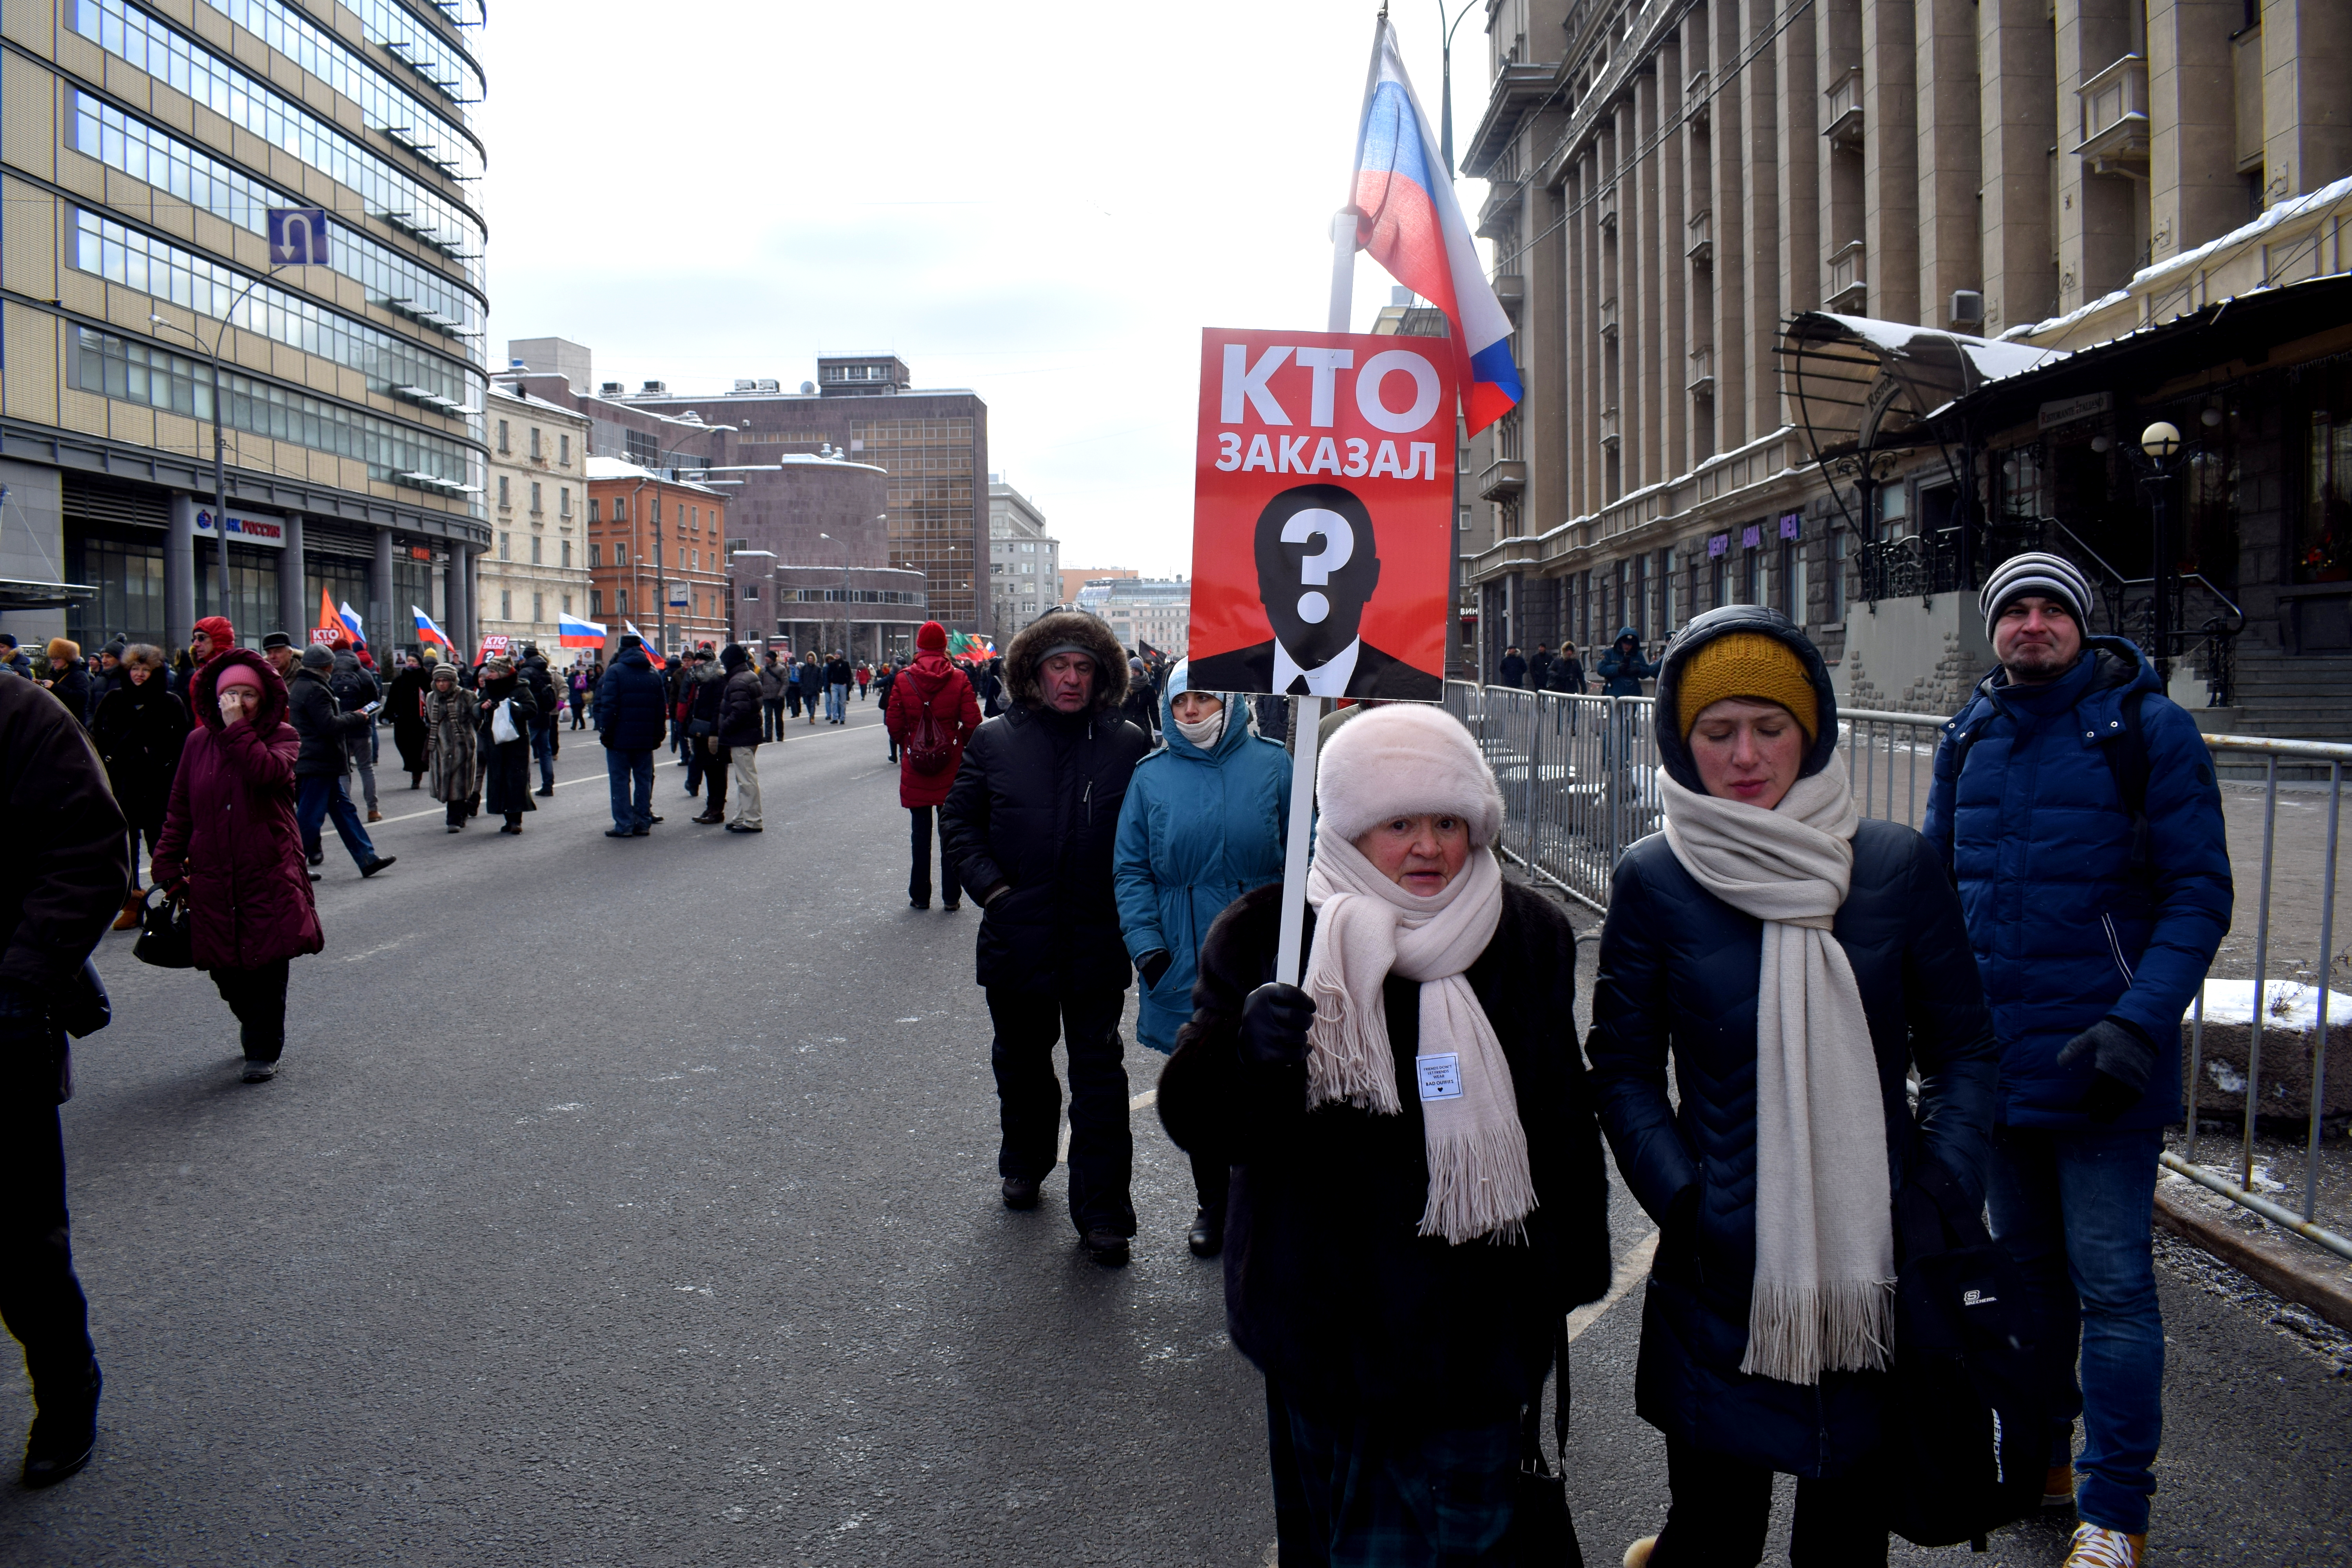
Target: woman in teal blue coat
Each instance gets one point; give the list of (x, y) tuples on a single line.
[(1204, 823)]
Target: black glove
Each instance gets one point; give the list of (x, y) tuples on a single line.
[(1677, 1256), (2121, 1056), (1274, 1020), (1152, 966)]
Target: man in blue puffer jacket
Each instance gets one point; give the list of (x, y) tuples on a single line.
[(2077, 807), (632, 717)]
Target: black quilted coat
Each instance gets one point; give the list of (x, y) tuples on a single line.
[(1678, 977)]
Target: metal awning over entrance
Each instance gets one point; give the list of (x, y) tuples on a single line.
[(1857, 385)]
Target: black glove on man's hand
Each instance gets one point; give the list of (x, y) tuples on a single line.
[(2122, 1057), (1274, 1020), (1152, 966)]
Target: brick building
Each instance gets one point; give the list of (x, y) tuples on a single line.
[(645, 531)]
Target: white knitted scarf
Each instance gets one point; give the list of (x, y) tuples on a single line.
[(1366, 926), (1824, 1290)]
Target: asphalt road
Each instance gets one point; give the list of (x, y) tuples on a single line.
[(634, 1202)]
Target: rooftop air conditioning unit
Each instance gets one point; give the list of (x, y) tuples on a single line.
[(653, 389), (741, 385), (1968, 308), (766, 386), (612, 389)]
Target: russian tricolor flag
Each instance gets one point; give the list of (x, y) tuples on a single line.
[(1409, 223), (351, 624), (430, 634), (573, 632), (653, 650)]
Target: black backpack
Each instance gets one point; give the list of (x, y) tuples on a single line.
[(1968, 1429)]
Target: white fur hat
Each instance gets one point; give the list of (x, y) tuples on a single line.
[(1403, 761)]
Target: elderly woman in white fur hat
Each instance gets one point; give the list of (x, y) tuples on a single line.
[(1417, 1195), (1796, 962)]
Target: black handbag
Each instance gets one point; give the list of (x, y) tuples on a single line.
[(1542, 1529), (167, 933)]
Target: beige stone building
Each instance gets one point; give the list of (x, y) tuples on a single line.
[(1782, 274), (142, 154), (537, 565)]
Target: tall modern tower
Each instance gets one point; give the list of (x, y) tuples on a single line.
[(150, 312)]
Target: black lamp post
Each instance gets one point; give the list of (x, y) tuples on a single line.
[(2158, 460)]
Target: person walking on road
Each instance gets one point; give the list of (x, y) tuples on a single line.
[(988, 684), (13, 659), (138, 730), (1029, 825), (1141, 707), (62, 868), (737, 740), (1567, 673), (577, 683), (1539, 668), (865, 677), (545, 744), (2075, 806), (505, 714), (233, 848), (883, 680), (323, 770), (812, 683), (773, 679), (356, 693), (1402, 1261), (709, 759), (1513, 669), (631, 715), (932, 715), (69, 679), (1204, 821), (451, 746), (1623, 667), (406, 702), (1796, 963), (837, 677)]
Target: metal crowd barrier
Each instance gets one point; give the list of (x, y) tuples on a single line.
[(1580, 774)]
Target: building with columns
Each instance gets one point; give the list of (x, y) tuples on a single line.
[(537, 566), (142, 153), (1788, 284)]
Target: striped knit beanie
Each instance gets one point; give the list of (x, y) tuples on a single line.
[(2038, 572)]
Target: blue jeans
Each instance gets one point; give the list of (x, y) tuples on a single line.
[(629, 772), (2073, 1209), (836, 701), (542, 746), (321, 797)]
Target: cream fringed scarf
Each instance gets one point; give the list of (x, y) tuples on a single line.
[(1366, 926), (1824, 1292)]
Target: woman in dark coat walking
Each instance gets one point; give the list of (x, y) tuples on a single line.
[(452, 746), (1796, 963), (138, 729), (69, 679), (1397, 1264), (232, 848), (406, 702), (506, 766)]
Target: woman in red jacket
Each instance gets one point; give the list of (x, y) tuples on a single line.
[(231, 847), (932, 713)]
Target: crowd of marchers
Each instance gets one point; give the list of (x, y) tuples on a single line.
[(1822, 1049)]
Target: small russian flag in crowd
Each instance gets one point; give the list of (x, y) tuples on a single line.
[(652, 650), (573, 632), (1411, 223), (352, 623), (428, 631)]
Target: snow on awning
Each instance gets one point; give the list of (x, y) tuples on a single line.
[(1859, 385)]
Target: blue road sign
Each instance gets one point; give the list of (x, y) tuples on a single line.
[(297, 237)]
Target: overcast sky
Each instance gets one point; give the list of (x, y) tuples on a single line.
[(1042, 202)]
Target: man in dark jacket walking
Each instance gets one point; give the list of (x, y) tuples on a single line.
[(544, 743), (706, 763), (321, 771), (2077, 809), (632, 716), (1513, 670), (63, 867), (837, 677), (737, 740), (1623, 667), (1030, 823), (355, 688), (774, 677)]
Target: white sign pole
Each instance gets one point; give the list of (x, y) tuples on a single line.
[(1306, 713)]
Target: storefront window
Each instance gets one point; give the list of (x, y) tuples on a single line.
[(2323, 551), (129, 582)]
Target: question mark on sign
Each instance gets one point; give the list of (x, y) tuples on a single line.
[(1313, 571)]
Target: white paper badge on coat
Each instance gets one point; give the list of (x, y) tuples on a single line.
[(1441, 1076)]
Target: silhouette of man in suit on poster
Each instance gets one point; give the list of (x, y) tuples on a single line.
[(1317, 564)]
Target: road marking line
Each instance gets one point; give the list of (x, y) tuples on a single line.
[(1631, 1269), (1149, 1096)]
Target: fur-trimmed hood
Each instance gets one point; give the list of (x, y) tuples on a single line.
[(1071, 627)]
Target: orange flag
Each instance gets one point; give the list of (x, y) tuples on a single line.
[(330, 625)]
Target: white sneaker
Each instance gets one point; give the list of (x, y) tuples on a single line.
[(2096, 1546)]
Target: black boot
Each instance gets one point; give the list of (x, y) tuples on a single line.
[(65, 1430), (1208, 1237)]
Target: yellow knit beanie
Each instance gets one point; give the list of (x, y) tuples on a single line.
[(1749, 665)]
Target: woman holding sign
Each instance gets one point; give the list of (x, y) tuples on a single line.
[(1417, 1195), (1796, 962), (1204, 821)]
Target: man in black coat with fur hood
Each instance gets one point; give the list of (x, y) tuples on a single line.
[(1029, 826)]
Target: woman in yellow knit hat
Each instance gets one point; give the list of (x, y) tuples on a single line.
[(1796, 962)]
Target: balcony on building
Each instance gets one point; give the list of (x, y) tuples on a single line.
[(1609, 316), (1500, 211), (1607, 205), (1510, 292), (2115, 120), (1519, 86), (1849, 285), (1841, 113), (1610, 430), (1701, 248), (1503, 478), (1701, 371), (1697, 98)]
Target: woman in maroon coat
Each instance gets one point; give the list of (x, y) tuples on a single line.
[(231, 847), (930, 753)]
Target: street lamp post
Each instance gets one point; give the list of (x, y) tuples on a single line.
[(211, 357), (2158, 460), (661, 570)]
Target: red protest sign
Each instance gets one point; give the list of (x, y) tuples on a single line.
[(1322, 514), (493, 643)]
